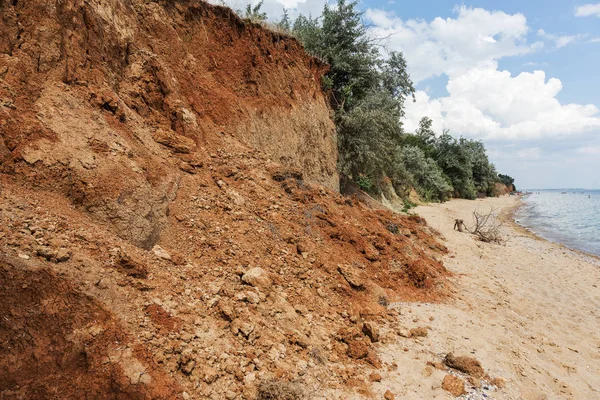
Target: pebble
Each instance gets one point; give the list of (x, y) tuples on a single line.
[(161, 253)]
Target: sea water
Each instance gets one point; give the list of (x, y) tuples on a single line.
[(567, 216)]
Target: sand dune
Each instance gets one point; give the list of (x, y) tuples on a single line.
[(528, 310)]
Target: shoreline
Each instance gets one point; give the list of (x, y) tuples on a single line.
[(509, 214), (528, 310)]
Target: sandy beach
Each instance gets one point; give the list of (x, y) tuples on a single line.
[(528, 310)]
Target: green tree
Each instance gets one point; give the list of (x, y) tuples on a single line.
[(424, 137), (308, 31), (366, 137), (507, 180), (254, 14), (367, 92), (285, 23), (455, 160), (421, 173)]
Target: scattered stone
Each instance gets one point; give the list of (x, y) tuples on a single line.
[(279, 389), (393, 228), (187, 363), (281, 174), (475, 382), (130, 267), (23, 256), (161, 253), (301, 248), (357, 349), (351, 277), (371, 253), (389, 395), (186, 167), (63, 255), (418, 332), (227, 311), (230, 395), (246, 329), (375, 377), (178, 143), (403, 333), (299, 339), (454, 385), (374, 360), (436, 365), (468, 365), (371, 331), (46, 252), (210, 375), (301, 309), (252, 297), (500, 383), (257, 277)]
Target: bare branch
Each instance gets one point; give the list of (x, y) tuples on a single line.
[(487, 227)]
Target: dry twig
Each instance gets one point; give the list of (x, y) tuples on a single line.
[(487, 227)]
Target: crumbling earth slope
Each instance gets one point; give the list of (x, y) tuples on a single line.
[(170, 225)]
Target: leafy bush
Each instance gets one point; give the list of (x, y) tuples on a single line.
[(364, 182), (422, 173), (407, 205)]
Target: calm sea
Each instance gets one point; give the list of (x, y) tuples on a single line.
[(567, 216)]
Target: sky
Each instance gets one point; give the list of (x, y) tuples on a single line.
[(523, 77)]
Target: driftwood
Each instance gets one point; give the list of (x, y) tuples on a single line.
[(459, 224), (487, 227)]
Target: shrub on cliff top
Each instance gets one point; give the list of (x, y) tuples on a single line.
[(367, 91)]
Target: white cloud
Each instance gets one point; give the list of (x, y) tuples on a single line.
[(588, 10), (274, 8), (532, 153), (559, 41), (594, 40), (483, 102), (475, 38), (490, 104), (535, 64), (589, 150)]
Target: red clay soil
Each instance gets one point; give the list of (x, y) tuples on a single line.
[(163, 225), (56, 342)]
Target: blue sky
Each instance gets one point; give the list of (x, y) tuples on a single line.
[(522, 76)]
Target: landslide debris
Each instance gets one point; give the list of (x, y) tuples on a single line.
[(169, 221)]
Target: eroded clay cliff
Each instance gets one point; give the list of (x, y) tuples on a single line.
[(101, 99), (170, 225)]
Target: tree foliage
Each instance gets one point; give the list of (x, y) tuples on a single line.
[(507, 180), (285, 23), (416, 170), (367, 92), (254, 13)]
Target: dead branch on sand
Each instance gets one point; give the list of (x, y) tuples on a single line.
[(487, 227)]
